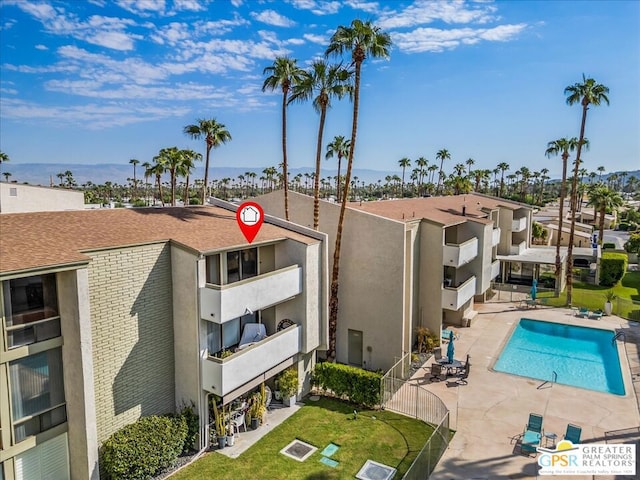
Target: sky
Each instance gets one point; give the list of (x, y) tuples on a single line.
[(104, 81)]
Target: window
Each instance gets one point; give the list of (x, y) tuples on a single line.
[(37, 393), (227, 335), (242, 264), (31, 309)]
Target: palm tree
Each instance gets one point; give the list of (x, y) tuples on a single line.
[(470, 162), (134, 162), (543, 177), (404, 163), (157, 170), (421, 162), (503, 167), (362, 39), (586, 93), (442, 155), (604, 199), (172, 160), (601, 170), (215, 134), (6, 176), (561, 146), (3, 158), (184, 170), (283, 74), (325, 82), (340, 148)]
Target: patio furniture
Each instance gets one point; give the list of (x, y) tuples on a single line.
[(573, 433), (437, 355), (462, 379), (252, 333), (532, 434), (583, 312), (445, 334), (596, 315), (550, 437), (238, 420), (438, 372)]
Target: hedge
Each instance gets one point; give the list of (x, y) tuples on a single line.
[(612, 268), (358, 385), (144, 448)]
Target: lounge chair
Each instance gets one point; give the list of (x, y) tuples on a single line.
[(438, 372), (573, 433), (444, 335), (583, 312), (532, 434), (596, 315)]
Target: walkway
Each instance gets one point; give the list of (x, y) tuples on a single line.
[(491, 411)]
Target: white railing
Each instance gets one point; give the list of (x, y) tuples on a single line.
[(221, 376), (519, 224), (495, 238), (495, 269), (456, 255), (221, 303), (454, 298), (518, 249)]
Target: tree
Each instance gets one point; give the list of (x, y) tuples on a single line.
[(325, 82), (503, 167), (3, 158), (215, 134), (134, 162), (147, 174), (586, 93), (340, 148), (157, 169), (6, 176), (283, 74), (188, 157), (442, 155), (633, 244), (362, 39), (172, 160), (600, 171), (470, 162), (404, 163), (604, 200), (561, 146)]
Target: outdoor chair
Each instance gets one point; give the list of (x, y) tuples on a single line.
[(438, 372), (583, 312), (573, 433), (532, 434), (237, 421), (462, 379), (596, 315), (437, 355)]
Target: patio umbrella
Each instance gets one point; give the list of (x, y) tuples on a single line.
[(450, 348), (534, 289)]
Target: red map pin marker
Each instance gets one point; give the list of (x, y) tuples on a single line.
[(250, 217)]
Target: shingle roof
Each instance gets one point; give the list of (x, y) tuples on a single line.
[(42, 239)]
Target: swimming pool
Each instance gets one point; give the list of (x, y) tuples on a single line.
[(581, 357)]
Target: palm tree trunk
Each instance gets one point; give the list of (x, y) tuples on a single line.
[(206, 174), (563, 193), (601, 225), (338, 178), (316, 181), (573, 216), (284, 155), (186, 193), (335, 273)]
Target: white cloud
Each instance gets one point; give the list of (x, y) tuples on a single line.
[(317, 7), (427, 11), (437, 40), (191, 5), (319, 39), (237, 3), (143, 7), (41, 47), (368, 7), (271, 17)]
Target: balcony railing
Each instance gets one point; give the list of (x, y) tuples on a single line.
[(519, 224), (456, 255), (495, 269), (222, 376), (455, 297), (519, 248), (495, 238), (221, 303)]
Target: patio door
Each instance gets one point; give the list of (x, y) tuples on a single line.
[(355, 348)]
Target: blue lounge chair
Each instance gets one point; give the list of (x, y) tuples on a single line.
[(583, 312), (573, 433), (532, 433), (596, 315)]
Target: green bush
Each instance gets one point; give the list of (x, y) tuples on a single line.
[(191, 418), (608, 246), (624, 226), (144, 448), (633, 244), (358, 385), (612, 268)]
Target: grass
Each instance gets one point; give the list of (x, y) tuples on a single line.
[(391, 439), (593, 296)]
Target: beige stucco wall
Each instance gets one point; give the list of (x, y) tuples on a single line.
[(431, 275), (15, 198), (132, 329)]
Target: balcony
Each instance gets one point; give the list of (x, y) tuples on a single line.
[(456, 255), (495, 269), (222, 376), (518, 249), (519, 224), (454, 298), (495, 237), (221, 303)]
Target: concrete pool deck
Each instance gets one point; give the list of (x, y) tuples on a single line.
[(490, 412)]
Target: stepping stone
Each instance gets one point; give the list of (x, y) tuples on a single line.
[(330, 450), (328, 462)]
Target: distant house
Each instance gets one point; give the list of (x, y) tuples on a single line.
[(18, 198)]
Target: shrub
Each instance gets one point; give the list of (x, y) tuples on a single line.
[(192, 420), (358, 385), (624, 226), (288, 382), (608, 246), (612, 268), (633, 244), (142, 449)]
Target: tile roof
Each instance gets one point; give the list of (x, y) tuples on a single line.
[(444, 210), (42, 239)]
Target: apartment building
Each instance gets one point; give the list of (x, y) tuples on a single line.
[(18, 197), (109, 315), (412, 262)]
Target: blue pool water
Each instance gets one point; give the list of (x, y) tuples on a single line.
[(582, 357)]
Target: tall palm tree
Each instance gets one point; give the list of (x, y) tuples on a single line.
[(470, 162), (3, 158), (283, 74), (404, 163), (561, 147), (503, 167), (601, 170), (215, 134), (543, 177), (586, 93), (421, 162), (172, 160), (442, 155), (362, 39), (157, 170), (340, 148), (325, 82), (188, 157), (604, 199), (147, 174), (134, 162)]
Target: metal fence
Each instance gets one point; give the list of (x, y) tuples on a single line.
[(394, 378), (430, 454)]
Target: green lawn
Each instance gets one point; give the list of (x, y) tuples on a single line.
[(391, 439), (592, 296)]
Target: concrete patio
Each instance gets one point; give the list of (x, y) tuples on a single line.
[(490, 412)]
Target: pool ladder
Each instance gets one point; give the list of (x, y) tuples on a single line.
[(554, 379), (617, 336)]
